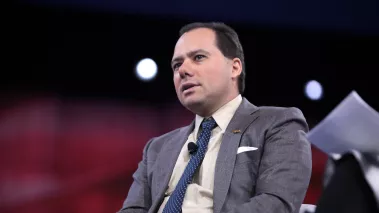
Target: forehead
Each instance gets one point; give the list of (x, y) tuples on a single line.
[(200, 38)]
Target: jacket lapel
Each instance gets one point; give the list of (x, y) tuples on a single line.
[(166, 162), (243, 117)]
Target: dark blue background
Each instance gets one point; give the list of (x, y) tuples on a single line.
[(358, 16), (89, 49)]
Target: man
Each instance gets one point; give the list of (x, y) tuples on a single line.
[(246, 158)]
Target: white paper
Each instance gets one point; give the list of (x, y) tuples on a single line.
[(352, 125)]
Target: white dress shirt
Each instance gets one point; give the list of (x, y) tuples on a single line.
[(199, 194)]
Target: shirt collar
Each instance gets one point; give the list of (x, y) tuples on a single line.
[(222, 116)]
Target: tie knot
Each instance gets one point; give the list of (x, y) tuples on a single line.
[(208, 123)]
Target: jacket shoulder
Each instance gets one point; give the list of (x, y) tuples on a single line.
[(277, 112), (157, 143)]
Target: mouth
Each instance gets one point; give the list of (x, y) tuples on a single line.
[(188, 86)]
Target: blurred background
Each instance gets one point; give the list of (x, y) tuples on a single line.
[(78, 102)]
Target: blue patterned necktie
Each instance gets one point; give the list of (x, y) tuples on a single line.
[(174, 203)]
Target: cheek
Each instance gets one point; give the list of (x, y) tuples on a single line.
[(176, 80), (215, 76)]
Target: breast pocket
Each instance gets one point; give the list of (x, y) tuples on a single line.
[(247, 156), (245, 173)]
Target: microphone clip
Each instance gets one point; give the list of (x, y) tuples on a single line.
[(192, 148)]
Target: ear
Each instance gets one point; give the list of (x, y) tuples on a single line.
[(236, 67)]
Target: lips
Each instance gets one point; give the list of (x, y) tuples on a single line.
[(187, 86)]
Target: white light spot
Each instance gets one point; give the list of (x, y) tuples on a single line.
[(146, 69), (313, 90)]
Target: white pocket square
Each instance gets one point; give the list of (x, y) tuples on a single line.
[(245, 149)]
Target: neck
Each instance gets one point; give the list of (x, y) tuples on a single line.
[(208, 111)]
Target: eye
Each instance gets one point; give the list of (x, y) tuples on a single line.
[(199, 57), (176, 66)]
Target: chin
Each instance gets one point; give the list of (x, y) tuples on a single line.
[(192, 103)]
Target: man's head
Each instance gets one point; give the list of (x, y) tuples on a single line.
[(208, 66)]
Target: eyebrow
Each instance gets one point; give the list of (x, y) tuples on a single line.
[(189, 54)]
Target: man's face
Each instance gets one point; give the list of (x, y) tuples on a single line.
[(202, 75)]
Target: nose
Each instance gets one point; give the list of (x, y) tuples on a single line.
[(185, 70)]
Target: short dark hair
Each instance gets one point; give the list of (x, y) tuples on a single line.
[(227, 42)]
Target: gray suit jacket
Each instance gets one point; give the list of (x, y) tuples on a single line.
[(272, 179)]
